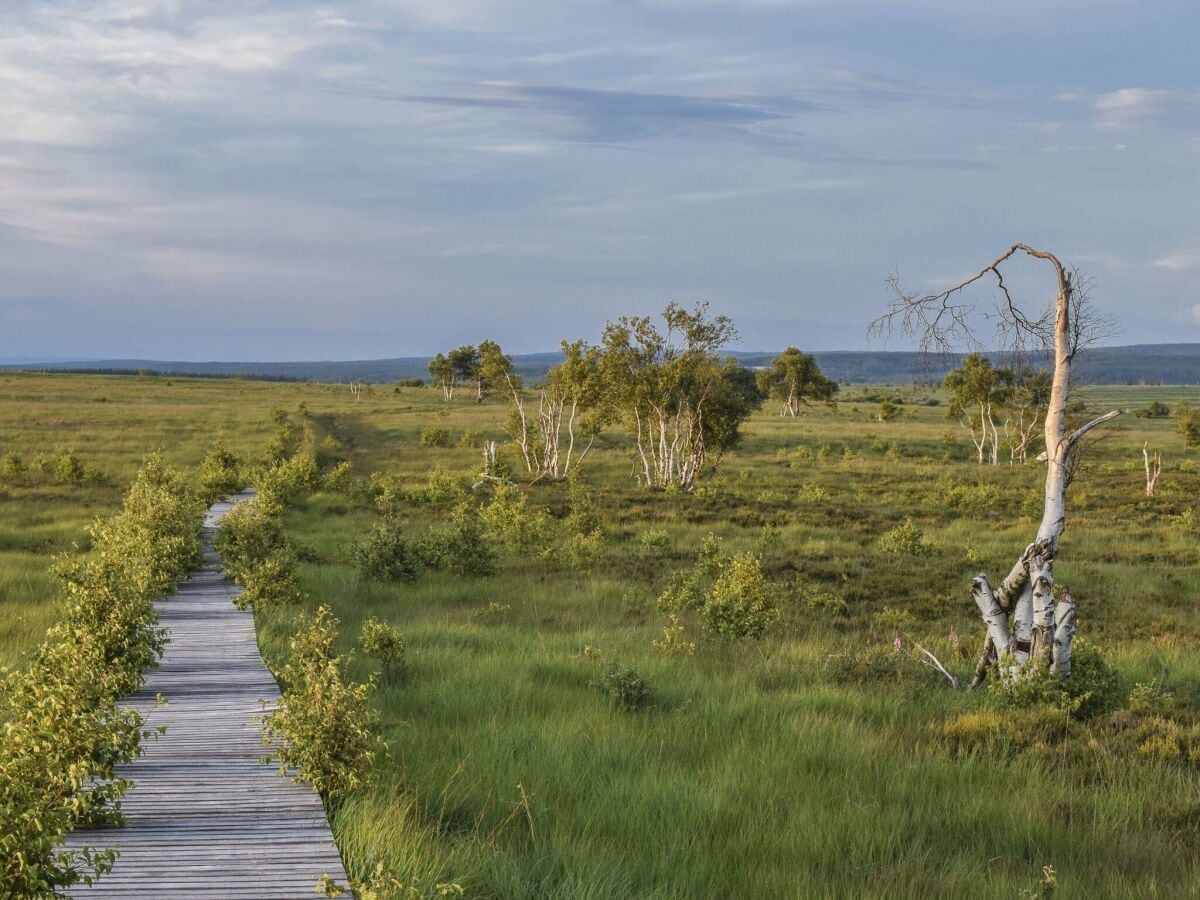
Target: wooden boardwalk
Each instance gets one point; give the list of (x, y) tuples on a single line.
[(205, 817)]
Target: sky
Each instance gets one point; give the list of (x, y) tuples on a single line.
[(282, 179)]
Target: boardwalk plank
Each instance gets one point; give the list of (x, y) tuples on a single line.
[(205, 817)]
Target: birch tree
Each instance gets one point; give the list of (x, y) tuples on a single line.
[(1028, 629), (794, 378), (662, 383), (441, 370), (571, 406), (976, 392), (495, 368)]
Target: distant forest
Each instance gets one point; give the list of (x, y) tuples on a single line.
[(1135, 364)]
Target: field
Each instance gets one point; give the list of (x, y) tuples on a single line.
[(819, 761)]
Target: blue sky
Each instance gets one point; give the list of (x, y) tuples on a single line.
[(283, 179)]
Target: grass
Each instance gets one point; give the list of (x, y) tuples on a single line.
[(756, 770)]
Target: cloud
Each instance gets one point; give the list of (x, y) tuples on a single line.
[(1193, 314), (1180, 261), (1128, 108)]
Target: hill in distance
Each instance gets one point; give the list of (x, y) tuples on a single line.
[(1133, 364)]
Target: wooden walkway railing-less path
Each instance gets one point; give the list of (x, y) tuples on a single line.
[(205, 817)]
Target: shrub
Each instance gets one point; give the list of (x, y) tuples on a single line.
[(653, 541), (441, 489), (509, 519), (385, 643), (11, 463), (626, 689), (1093, 689), (64, 733), (220, 472), (386, 555), (461, 548), (322, 730), (904, 540), (339, 479), (583, 519), (739, 604), (1155, 410), (673, 642), (436, 436), (270, 582), (284, 482), (249, 533)]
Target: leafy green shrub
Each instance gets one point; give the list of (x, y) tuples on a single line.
[(469, 439), (739, 604), (441, 489), (436, 436), (653, 541), (386, 555), (583, 518), (64, 733), (626, 689), (1093, 689), (673, 641), (11, 463), (285, 481), (385, 643), (339, 479), (905, 539), (322, 729), (460, 549), (270, 582), (220, 472), (249, 534), (509, 519), (1154, 410)]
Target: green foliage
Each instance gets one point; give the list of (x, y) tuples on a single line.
[(270, 582), (905, 539), (249, 533), (385, 643), (887, 411), (63, 731), (442, 488), (673, 641), (1153, 410), (1187, 423), (220, 472), (1093, 689), (283, 482), (386, 554), (436, 436), (508, 519), (11, 463), (653, 541), (793, 379), (461, 548), (740, 604), (322, 730), (626, 689)]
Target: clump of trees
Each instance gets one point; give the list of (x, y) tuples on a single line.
[(988, 401), (679, 399), (793, 379)]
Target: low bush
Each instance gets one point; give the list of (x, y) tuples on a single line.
[(321, 733), (385, 643), (625, 688), (436, 436), (385, 554), (220, 472), (64, 734), (740, 604)]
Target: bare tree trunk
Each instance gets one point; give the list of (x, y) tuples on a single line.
[(1153, 468)]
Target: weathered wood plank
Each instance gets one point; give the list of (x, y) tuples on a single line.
[(205, 817)]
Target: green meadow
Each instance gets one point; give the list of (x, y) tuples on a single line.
[(824, 760)]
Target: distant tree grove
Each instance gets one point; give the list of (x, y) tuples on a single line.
[(663, 380)]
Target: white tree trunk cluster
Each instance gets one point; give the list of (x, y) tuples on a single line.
[(670, 445)]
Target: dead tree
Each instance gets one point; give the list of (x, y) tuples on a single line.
[(1027, 631), (1153, 468)]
